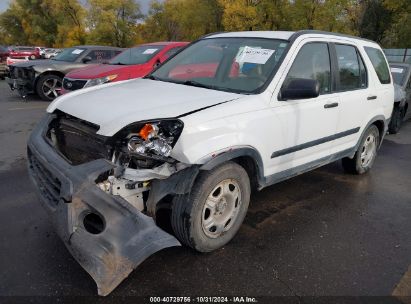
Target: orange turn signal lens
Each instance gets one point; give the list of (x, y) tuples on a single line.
[(145, 131)]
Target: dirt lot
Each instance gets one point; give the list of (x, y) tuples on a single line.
[(322, 233)]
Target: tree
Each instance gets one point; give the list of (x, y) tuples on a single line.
[(182, 19), (43, 22), (239, 15), (71, 17), (113, 22), (375, 21), (399, 34)]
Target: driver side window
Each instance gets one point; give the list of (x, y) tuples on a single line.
[(312, 62)]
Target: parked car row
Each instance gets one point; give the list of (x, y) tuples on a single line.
[(85, 66), (184, 146)]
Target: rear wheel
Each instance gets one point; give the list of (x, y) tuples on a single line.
[(211, 215), (49, 86), (365, 156)]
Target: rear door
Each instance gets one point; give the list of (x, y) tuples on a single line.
[(357, 97)]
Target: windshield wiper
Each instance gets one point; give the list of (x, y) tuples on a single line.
[(152, 77), (196, 84)]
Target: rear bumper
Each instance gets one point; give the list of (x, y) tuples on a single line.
[(69, 193)]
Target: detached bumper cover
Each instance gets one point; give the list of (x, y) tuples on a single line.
[(69, 193)]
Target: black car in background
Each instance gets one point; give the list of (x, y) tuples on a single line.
[(44, 77), (401, 73)]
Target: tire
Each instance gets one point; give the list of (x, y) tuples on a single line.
[(32, 57), (365, 156), (48, 87), (396, 119), (210, 216)]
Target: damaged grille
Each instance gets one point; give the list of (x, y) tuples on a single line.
[(77, 140), (48, 184), (73, 84), (23, 73)]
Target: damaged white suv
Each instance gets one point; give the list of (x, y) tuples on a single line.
[(187, 144)]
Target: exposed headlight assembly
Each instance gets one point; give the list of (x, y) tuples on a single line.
[(97, 81), (156, 138)]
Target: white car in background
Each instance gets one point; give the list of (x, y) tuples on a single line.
[(230, 113)]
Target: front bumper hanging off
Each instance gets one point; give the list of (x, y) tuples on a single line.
[(123, 236)]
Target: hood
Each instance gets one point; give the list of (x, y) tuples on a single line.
[(114, 106), (98, 71), (41, 63)]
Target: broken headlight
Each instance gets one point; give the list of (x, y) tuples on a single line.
[(156, 138)]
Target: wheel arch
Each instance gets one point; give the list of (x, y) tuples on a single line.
[(53, 72), (247, 157)]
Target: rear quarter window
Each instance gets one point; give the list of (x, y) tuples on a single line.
[(379, 63)]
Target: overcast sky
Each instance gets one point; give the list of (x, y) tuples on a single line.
[(143, 3)]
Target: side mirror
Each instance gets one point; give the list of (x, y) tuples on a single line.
[(86, 59), (157, 64), (300, 88)]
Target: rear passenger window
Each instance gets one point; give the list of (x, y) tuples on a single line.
[(100, 55), (351, 70), (312, 62), (379, 63)]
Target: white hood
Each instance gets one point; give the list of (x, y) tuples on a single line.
[(117, 105)]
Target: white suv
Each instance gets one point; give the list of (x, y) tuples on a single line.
[(186, 145)]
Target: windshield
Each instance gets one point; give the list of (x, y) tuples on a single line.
[(69, 55), (241, 65), (398, 73), (137, 55)]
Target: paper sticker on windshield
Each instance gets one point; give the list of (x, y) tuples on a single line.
[(254, 55), (397, 70), (150, 51), (77, 51)]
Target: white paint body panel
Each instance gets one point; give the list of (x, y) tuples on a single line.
[(259, 121)]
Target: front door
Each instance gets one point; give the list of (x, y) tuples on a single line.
[(305, 127)]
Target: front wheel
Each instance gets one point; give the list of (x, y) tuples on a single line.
[(49, 86), (210, 216), (365, 156)]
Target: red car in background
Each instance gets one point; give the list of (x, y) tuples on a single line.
[(4, 53), (132, 63), (21, 52)]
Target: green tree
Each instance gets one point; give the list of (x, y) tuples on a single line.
[(240, 15), (182, 19), (71, 22), (399, 34), (113, 22), (376, 20)]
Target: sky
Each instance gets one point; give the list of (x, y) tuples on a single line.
[(144, 4)]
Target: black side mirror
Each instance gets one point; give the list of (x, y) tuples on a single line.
[(300, 88), (86, 59), (157, 64)]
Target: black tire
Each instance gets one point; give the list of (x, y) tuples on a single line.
[(189, 210), (359, 164), (396, 119), (48, 79), (32, 57)]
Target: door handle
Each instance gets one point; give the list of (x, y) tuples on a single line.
[(331, 105), (371, 97)]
